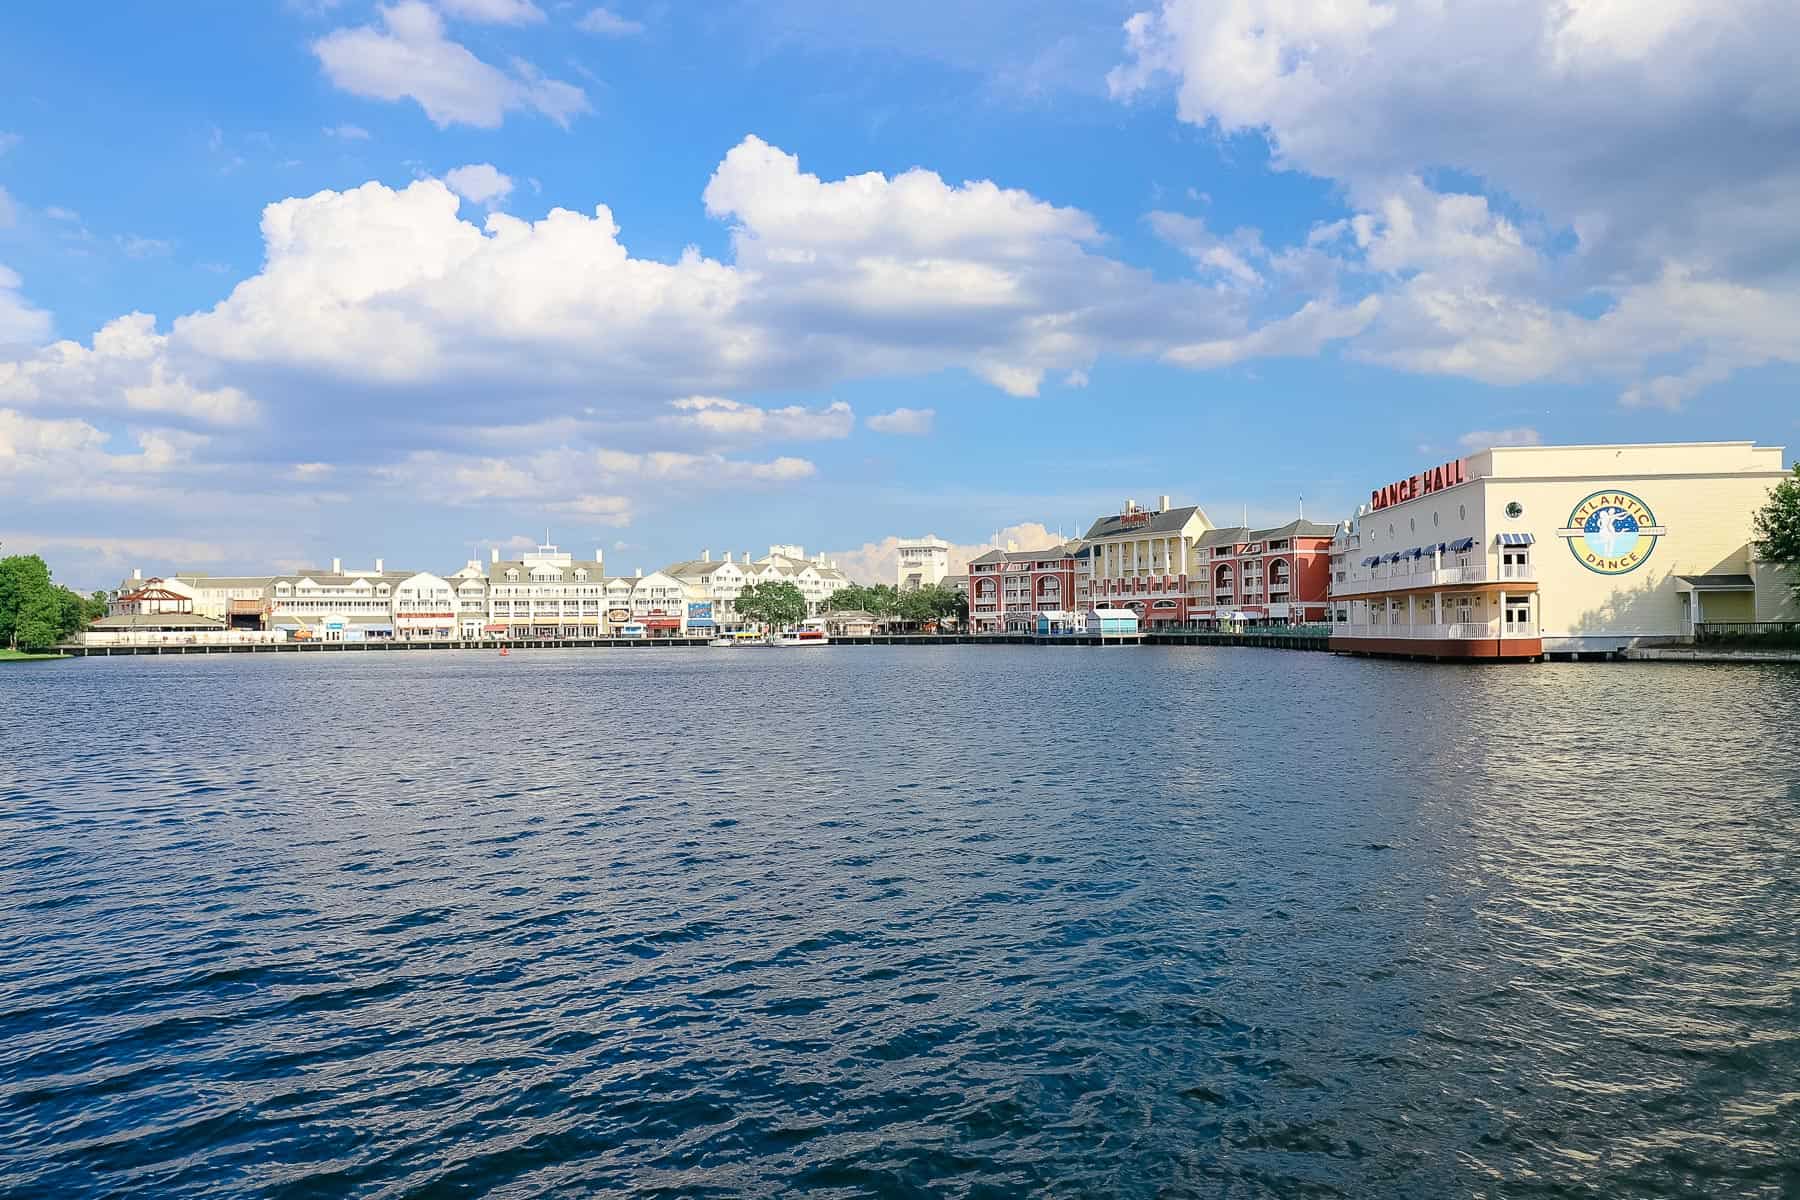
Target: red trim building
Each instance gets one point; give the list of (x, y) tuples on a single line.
[(1277, 576), (1007, 589)]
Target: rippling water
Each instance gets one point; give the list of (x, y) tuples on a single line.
[(895, 921)]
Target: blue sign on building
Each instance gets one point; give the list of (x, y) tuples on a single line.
[(700, 614)]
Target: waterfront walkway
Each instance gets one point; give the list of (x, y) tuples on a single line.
[(1283, 641)]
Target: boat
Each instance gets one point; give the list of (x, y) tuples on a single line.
[(800, 637), (741, 638)]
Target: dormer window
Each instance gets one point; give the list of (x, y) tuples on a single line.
[(512, 573)]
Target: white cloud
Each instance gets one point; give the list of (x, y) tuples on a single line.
[(21, 325), (607, 23), (603, 485), (1228, 259), (1482, 439), (479, 182), (347, 133), (877, 561), (9, 210), (732, 419), (862, 276), (64, 457), (62, 214), (410, 57), (127, 370), (494, 12), (135, 246), (1645, 151), (906, 421), (1300, 334)]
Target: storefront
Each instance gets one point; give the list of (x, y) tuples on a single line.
[(1523, 552)]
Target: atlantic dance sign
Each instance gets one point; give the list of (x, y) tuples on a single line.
[(1423, 484)]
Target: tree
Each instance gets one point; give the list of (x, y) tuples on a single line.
[(774, 603), (1777, 528), (36, 614)]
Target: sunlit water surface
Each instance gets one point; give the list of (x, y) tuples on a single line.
[(892, 922)]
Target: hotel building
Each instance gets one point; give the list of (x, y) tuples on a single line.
[(1144, 560), (1280, 575), (921, 563), (1171, 566), (1009, 588), (546, 593), (1526, 551)]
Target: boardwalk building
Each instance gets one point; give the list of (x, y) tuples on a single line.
[(1525, 551)]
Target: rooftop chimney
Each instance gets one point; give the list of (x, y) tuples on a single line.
[(728, 556), (137, 572), (378, 566), (706, 556), (495, 552), (1164, 504), (599, 555), (638, 573), (1130, 504), (337, 566)]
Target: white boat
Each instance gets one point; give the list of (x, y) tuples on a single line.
[(800, 637)]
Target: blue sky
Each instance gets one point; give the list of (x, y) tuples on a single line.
[(862, 270)]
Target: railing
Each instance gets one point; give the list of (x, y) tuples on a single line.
[(1397, 578), (1749, 633)]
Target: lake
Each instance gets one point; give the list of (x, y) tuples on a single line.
[(893, 921)]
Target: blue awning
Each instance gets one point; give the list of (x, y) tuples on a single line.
[(1371, 560), (1516, 539), (1462, 544), (1415, 552)]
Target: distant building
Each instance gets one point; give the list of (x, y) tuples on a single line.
[(547, 593), (921, 563)]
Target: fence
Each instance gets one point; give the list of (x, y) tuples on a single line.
[(1748, 633)]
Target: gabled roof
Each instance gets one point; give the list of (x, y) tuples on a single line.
[(1171, 521)]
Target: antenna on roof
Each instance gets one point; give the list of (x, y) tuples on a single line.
[(1303, 507)]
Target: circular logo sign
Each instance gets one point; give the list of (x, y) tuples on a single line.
[(1612, 532)]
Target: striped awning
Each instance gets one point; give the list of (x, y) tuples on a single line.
[(1515, 539), (1371, 560), (1461, 544)]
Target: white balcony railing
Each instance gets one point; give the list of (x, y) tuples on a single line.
[(1399, 576)]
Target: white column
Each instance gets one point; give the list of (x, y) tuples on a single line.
[(1502, 614)]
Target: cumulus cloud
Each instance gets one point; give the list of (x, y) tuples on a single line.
[(1649, 151), (62, 456), (128, 369), (480, 182), (878, 561), (1482, 439), (607, 23), (410, 57), (914, 422), (728, 419)]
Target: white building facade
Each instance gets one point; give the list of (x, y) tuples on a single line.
[(1528, 551)]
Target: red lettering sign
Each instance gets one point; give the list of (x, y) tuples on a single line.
[(1423, 484)]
